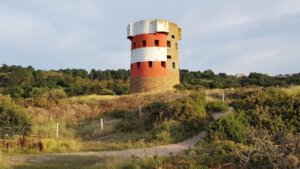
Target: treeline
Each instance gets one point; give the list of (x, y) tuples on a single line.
[(26, 82), (208, 79)]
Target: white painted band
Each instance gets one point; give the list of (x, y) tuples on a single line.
[(149, 54), (147, 26)]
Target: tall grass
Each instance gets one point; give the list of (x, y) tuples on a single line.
[(61, 145), (48, 130), (292, 91), (3, 165), (37, 146)]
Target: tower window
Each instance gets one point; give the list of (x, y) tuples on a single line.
[(150, 64), (169, 44), (173, 36), (138, 64), (176, 46), (144, 43), (163, 64), (169, 57), (173, 65), (156, 42)]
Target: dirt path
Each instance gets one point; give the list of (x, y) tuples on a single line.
[(164, 150)]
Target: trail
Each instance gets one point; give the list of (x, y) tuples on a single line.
[(163, 150)]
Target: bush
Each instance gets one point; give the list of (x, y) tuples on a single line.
[(271, 109), (169, 131), (107, 92), (233, 127), (13, 119), (217, 106), (15, 91), (190, 111), (164, 136), (57, 94)]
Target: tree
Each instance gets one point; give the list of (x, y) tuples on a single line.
[(208, 74)]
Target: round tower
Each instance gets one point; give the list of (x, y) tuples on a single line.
[(154, 55)]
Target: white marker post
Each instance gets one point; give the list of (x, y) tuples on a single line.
[(57, 129), (101, 124), (140, 111), (223, 95)]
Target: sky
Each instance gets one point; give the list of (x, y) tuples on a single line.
[(234, 36)]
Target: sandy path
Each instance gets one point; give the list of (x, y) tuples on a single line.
[(164, 150)]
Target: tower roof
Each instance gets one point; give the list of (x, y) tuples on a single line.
[(148, 26)]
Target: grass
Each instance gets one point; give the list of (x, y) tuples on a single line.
[(43, 145), (93, 98), (48, 130), (3, 165), (74, 162), (90, 129), (292, 91)]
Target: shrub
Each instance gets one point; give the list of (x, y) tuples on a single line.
[(233, 127), (271, 109), (164, 136), (13, 119), (155, 113), (217, 106), (107, 92), (15, 91), (169, 131), (38, 92), (57, 94), (190, 111)]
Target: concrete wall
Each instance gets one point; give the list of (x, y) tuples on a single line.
[(147, 26)]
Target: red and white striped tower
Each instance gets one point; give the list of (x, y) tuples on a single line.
[(154, 55)]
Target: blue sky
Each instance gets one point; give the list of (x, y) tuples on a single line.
[(235, 36)]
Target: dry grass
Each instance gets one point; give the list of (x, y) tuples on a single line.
[(75, 162), (292, 91), (73, 110), (3, 164), (93, 98)]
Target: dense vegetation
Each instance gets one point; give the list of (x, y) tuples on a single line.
[(262, 130), (20, 82), (208, 79), (168, 122), (26, 82), (13, 119)]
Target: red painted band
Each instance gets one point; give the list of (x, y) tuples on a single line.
[(149, 40), (148, 69)]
